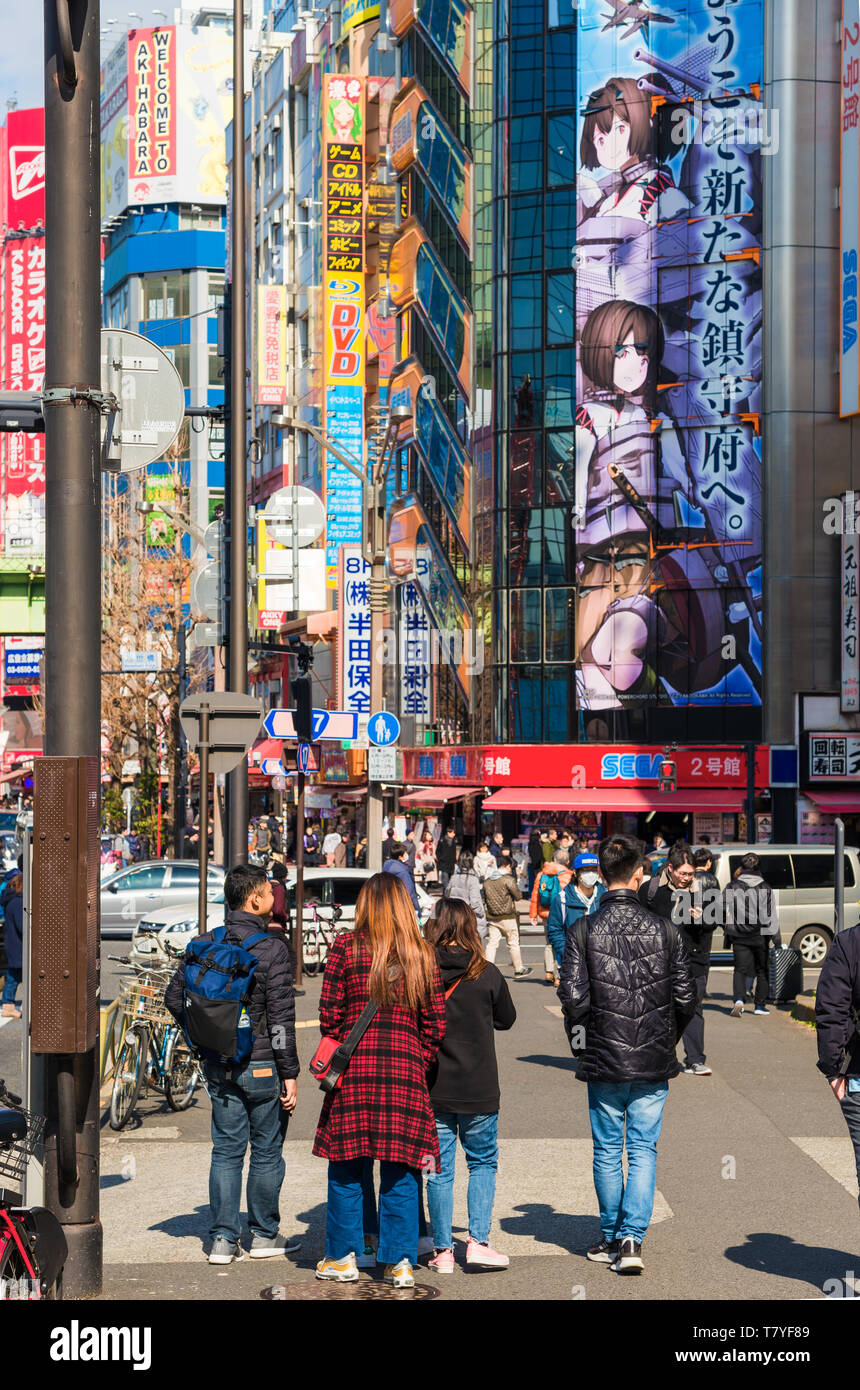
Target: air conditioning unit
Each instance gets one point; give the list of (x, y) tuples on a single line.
[(276, 122), (277, 216)]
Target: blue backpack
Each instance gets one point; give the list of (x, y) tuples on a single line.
[(219, 978), (547, 889)]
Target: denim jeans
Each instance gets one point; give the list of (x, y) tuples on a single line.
[(398, 1211), (370, 1217), (479, 1137), (851, 1110), (246, 1108), (626, 1211), (11, 983)]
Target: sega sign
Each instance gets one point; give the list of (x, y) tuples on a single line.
[(630, 767)]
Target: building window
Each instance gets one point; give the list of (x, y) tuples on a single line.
[(196, 218), (180, 356), (165, 296), (216, 368), (215, 291)]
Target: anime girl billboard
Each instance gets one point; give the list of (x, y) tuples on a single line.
[(667, 486)]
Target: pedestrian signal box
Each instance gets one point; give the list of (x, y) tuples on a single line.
[(668, 776)]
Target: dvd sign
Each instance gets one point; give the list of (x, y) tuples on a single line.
[(26, 171)]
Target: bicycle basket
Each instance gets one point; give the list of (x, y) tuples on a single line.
[(14, 1156), (144, 1001)]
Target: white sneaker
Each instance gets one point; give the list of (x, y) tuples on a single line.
[(225, 1252), (738, 1009), (343, 1271), (263, 1247), (400, 1275)]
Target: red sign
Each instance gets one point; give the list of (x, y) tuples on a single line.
[(151, 104), (581, 765), (24, 169), (271, 619)]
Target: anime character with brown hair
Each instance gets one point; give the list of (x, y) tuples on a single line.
[(622, 194)]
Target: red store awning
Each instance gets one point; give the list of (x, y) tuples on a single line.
[(612, 799), (438, 796), (835, 802)]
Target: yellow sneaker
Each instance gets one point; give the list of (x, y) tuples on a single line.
[(400, 1275), (343, 1271)]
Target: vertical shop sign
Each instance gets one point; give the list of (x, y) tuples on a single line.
[(849, 211), (151, 112), (271, 344), (850, 662)]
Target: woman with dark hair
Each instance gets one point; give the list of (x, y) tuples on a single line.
[(13, 906), (464, 1084), (382, 1109), (465, 884)]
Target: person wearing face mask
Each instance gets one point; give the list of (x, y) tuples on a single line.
[(580, 898), (676, 896)]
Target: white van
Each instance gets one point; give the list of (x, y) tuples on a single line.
[(802, 876)]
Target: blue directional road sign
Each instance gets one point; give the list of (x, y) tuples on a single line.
[(331, 724), (303, 757), (383, 729)]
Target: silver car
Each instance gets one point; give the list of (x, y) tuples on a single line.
[(153, 886)]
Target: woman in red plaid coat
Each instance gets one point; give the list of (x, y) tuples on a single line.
[(382, 1109)]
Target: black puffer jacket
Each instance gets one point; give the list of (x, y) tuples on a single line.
[(837, 1007), (631, 990), (464, 1079), (272, 1003)]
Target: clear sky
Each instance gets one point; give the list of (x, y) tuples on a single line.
[(22, 64)]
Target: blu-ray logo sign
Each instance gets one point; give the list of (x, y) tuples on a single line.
[(630, 767)]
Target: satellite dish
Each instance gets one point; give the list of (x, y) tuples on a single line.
[(151, 397)]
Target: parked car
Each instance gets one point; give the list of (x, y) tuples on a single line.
[(324, 888), (803, 878), (152, 886)]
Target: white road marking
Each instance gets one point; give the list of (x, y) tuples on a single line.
[(835, 1156)]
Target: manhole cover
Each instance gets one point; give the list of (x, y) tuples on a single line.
[(365, 1289)]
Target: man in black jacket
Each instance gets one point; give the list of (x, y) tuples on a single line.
[(253, 1100), (837, 1013), (627, 995), (751, 924), (446, 856), (676, 896)]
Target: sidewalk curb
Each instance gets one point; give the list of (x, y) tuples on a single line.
[(803, 1009)]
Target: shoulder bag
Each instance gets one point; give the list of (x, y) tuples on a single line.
[(331, 1058)]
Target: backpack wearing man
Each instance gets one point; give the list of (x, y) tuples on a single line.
[(501, 895), (251, 1101), (580, 897), (627, 996), (549, 882), (751, 923), (673, 896), (837, 1015)]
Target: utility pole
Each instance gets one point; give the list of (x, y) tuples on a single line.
[(73, 571), (237, 497)]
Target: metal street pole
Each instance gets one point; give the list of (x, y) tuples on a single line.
[(182, 746), (750, 798), (237, 780), (203, 839), (299, 917), (839, 876), (73, 547), (378, 605)]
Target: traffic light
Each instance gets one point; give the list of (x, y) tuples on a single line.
[(303, 719), (668, 776)]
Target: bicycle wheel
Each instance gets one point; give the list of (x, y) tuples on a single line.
[(310, 952), (181, 1072), (13, 1268), (130, 1066)]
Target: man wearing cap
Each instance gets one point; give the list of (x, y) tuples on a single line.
[(580, 898)]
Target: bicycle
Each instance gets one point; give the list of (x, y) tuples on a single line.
[(318, 937), (154, 1051), (33, 1246)]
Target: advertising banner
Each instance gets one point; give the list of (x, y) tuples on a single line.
[(344, 290), (849, 210), (160, 532), (592, 766), (22, 456), (152, 101), (357, 12), (665, 412), (271, 344), (114, 131), (353, 619), (850, 661), (22, 657)]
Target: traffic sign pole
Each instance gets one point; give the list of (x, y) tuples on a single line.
[(203, 818), (299, 918)]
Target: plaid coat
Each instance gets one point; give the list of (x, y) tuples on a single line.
[(382, 1109)]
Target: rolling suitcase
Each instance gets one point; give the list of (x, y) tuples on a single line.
[(785, 975)]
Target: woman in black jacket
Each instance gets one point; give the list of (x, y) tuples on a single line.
[(535, 852), (464, 1084)]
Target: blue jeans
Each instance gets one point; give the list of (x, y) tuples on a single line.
[(398, 1211), (479, 1137), (246, 1108), (370, 1217), (626, 1211), (11, 983)]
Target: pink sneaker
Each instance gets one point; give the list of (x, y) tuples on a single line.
[(442, 1262), (481, 1253)]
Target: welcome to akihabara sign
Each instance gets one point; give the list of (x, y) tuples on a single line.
[(582, 765)]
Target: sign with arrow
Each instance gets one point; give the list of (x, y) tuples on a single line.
[(335, 725)]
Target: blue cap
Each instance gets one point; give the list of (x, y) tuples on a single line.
[(586, 861)]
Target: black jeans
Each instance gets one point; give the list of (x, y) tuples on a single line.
[(750, 959), (851, 1110), (694, 1034)]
